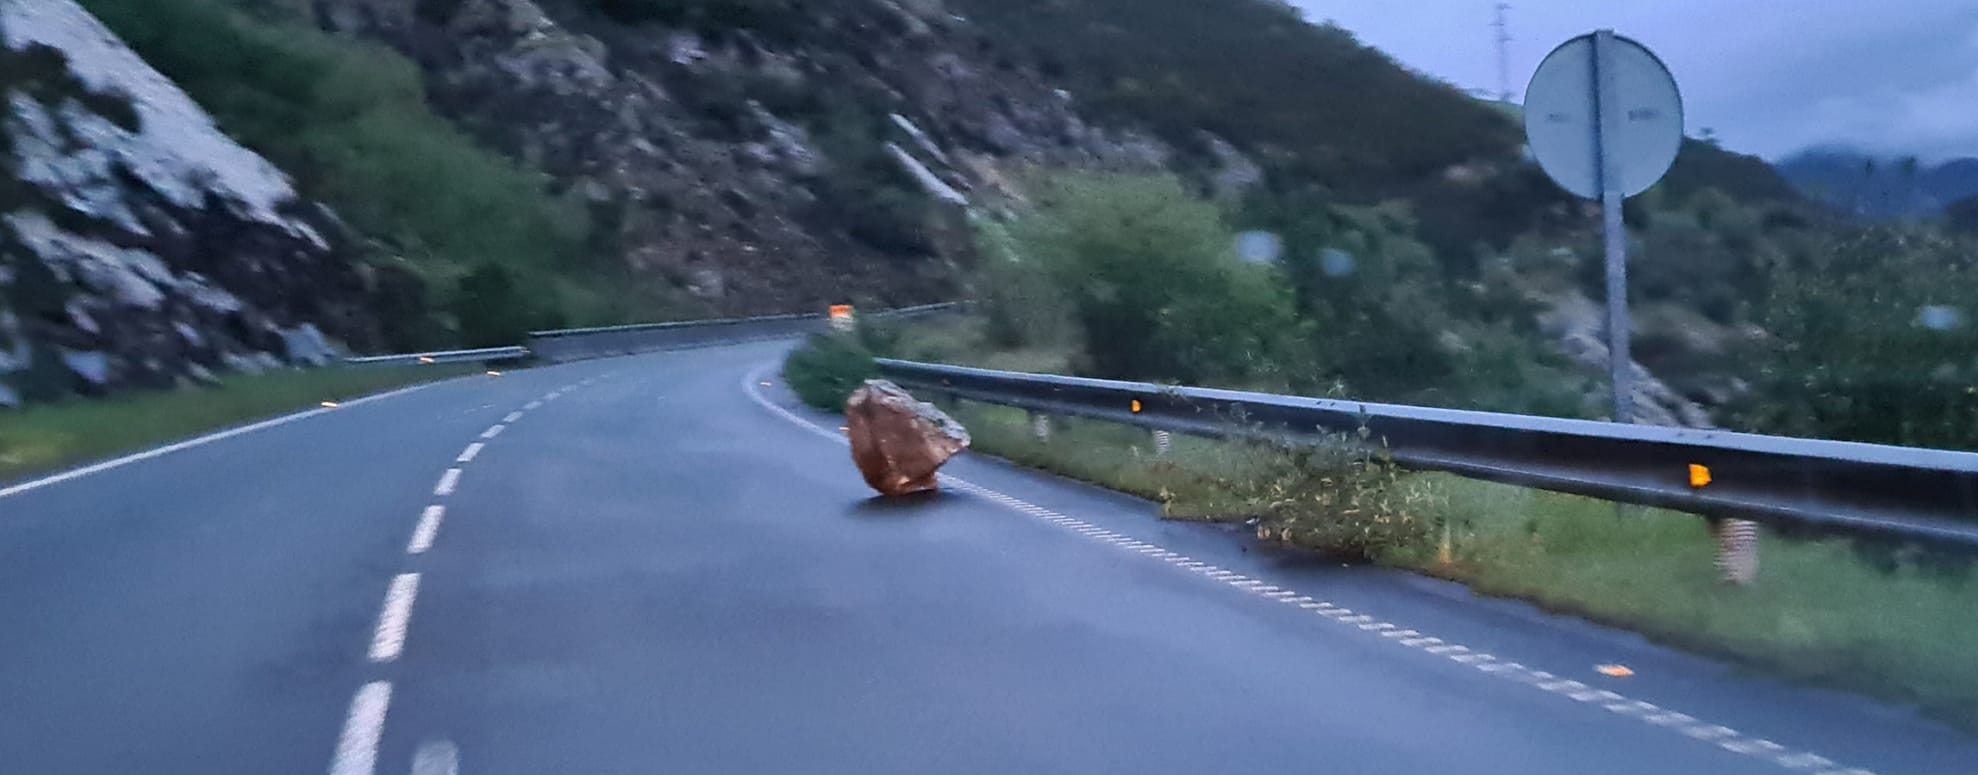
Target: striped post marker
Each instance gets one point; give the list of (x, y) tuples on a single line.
[(1737, 551)]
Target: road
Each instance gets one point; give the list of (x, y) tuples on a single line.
[(658, 565)]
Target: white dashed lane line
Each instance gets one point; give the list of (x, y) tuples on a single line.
[(436, 757), (1724, 737), (389, 639), (428, 529), (357, 747)]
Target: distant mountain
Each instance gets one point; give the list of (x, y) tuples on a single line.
[(1880, 187), (1953, 181)]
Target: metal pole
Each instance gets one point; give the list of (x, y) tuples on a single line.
[(1609, 120)]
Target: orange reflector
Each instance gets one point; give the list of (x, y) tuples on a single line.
[(1615, 671), (1699, 476), (1136, 406), (841, 311)]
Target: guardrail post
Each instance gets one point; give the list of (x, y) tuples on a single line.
[(1737, 550), (1040, 426), (1163, 443)]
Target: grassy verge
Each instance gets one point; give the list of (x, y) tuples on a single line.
[(47, 437), (1818, 613)]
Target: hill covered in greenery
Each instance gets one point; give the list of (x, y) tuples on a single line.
[(1432, 262)]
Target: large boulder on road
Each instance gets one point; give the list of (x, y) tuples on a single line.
[(898, 442)]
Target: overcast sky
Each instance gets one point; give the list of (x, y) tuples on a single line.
[(1770, 76)]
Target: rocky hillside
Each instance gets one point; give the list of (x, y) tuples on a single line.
[(140, 246), (765, 157)]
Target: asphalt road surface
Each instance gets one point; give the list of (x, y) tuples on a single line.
[(659, 565)]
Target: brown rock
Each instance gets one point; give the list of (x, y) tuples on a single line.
[(899, 443)]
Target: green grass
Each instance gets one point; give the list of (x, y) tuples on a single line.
[(46, 437), (1818, 613)]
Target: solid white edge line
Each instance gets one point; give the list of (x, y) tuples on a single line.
[(428, 529), (199, 441), (448, 481), (389, 640), (357, 747), (467, 455)]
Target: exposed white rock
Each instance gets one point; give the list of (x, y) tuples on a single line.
[(130, 277), (92, 366), (177, 151), (154, 247), (920, 138), (306, 344), (929, 182)]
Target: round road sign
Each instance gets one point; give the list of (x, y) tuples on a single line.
[(1564, 115)]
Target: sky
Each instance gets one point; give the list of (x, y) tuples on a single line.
[(1771, 77)]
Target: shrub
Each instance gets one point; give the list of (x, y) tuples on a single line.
[(1872, 342), (1337, 498), (1151, 281), (1021, 305), (827, 368), (494, 312)]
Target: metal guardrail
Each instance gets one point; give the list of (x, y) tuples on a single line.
[(582, 343), (1802, 484), (449, 356)]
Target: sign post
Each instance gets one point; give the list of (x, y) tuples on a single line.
[(1615, 232), (1605, 120)]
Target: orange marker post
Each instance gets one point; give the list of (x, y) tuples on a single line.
[(843, 317)]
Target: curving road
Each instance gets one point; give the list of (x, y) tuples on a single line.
[(658, 565)]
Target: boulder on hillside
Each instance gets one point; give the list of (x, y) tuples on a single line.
[(898, 442)]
